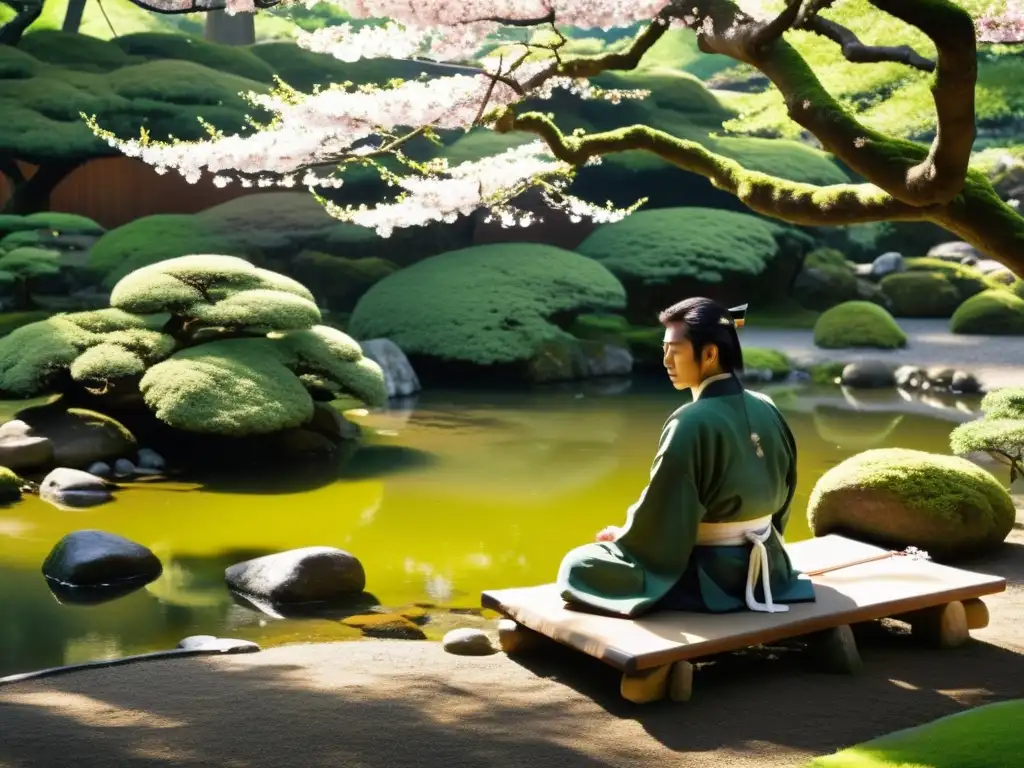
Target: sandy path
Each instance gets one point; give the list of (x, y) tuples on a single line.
[(997, 361), (409, 705)]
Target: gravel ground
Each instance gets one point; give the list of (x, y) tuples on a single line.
[(997, 361)]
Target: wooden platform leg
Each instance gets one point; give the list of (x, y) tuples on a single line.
[(680, 681), (977, 613), (645, 686), (944, 626), (515, 638), (835, 651)]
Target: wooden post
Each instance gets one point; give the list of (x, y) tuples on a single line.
[(835, 651), (645, 686), (977, 613), (944, 626), (515, 638), (680, 681)]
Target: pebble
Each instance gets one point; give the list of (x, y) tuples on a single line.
[(150, 459), (100, 469), (123, 468), (468, 642)]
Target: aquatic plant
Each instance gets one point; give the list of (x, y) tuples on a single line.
[(213, 345), (858, 324), (999, 433)]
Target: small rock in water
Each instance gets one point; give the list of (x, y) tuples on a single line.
[(100, 469), (965, 383), (150, 459), (222, 644), (123, 468), (868, 374), (468, 642), (306, 575), (100, 559), (911, 377), (74, 488), (940, 378)]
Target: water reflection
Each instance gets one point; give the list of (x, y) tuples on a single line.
[(460, 493)]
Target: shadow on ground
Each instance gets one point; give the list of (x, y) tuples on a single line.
[(401, 704)]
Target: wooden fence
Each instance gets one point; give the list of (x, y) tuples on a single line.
[(115, 190)]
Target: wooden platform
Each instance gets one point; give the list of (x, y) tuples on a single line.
[(892, 587)]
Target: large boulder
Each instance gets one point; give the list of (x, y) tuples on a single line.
[(80, 437), (482, 314), (663, 255), (887, 264), (92, 558), (399, 377), (896, 497), (858, 324), (306, 575), (955, 251), (868, 374)]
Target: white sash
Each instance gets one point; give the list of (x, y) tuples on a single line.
[(755, 532)]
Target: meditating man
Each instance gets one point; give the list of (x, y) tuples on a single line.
[(705, 535)]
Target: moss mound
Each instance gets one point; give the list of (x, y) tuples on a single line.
[(995, 311), (270, 228), (989, 736), (486, 305), (664, 254), (52, 222), (895, 497), (921, 294), (967, 280), (858, 324)]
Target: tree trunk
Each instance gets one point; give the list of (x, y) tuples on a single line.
[(73, 16), (32, 195), (239, 29)]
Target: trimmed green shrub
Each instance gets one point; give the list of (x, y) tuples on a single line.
[(967, 280), (213, 344), (858, 324), (896, 497), (489, 304), (1000, 431), (920, 294), (827, 257), (995, 312), (337, 282)]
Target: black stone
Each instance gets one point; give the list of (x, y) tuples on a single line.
[(96, 558)]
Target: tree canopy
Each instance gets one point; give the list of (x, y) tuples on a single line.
[(902, 179)]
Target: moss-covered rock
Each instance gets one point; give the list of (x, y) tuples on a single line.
[(968, 281), (663, 255), (51, 222), (79, 436), (921, 294), (995, 311), (825, 280), (858, 324), (898, 498), (10, 486), (760, 359), (486, 310)]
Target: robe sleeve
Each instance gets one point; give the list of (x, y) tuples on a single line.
[(781, 518), (661, 526)]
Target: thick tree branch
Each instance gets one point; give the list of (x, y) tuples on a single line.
[(858, 53), (940, 177), (175, 7), (26, 13), (790, 201)]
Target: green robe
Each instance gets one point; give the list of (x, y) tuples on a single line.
[(706, 470)]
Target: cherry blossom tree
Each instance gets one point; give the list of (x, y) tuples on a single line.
[(313, 138)]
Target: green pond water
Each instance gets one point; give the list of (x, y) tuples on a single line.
[(459, 493)]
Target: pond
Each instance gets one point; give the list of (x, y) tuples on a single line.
[(457, 493)]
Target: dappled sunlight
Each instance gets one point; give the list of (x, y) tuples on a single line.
[(87, 711)]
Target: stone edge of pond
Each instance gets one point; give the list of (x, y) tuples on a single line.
[(221, 646)]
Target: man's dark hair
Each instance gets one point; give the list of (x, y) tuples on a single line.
[(707, 322)]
